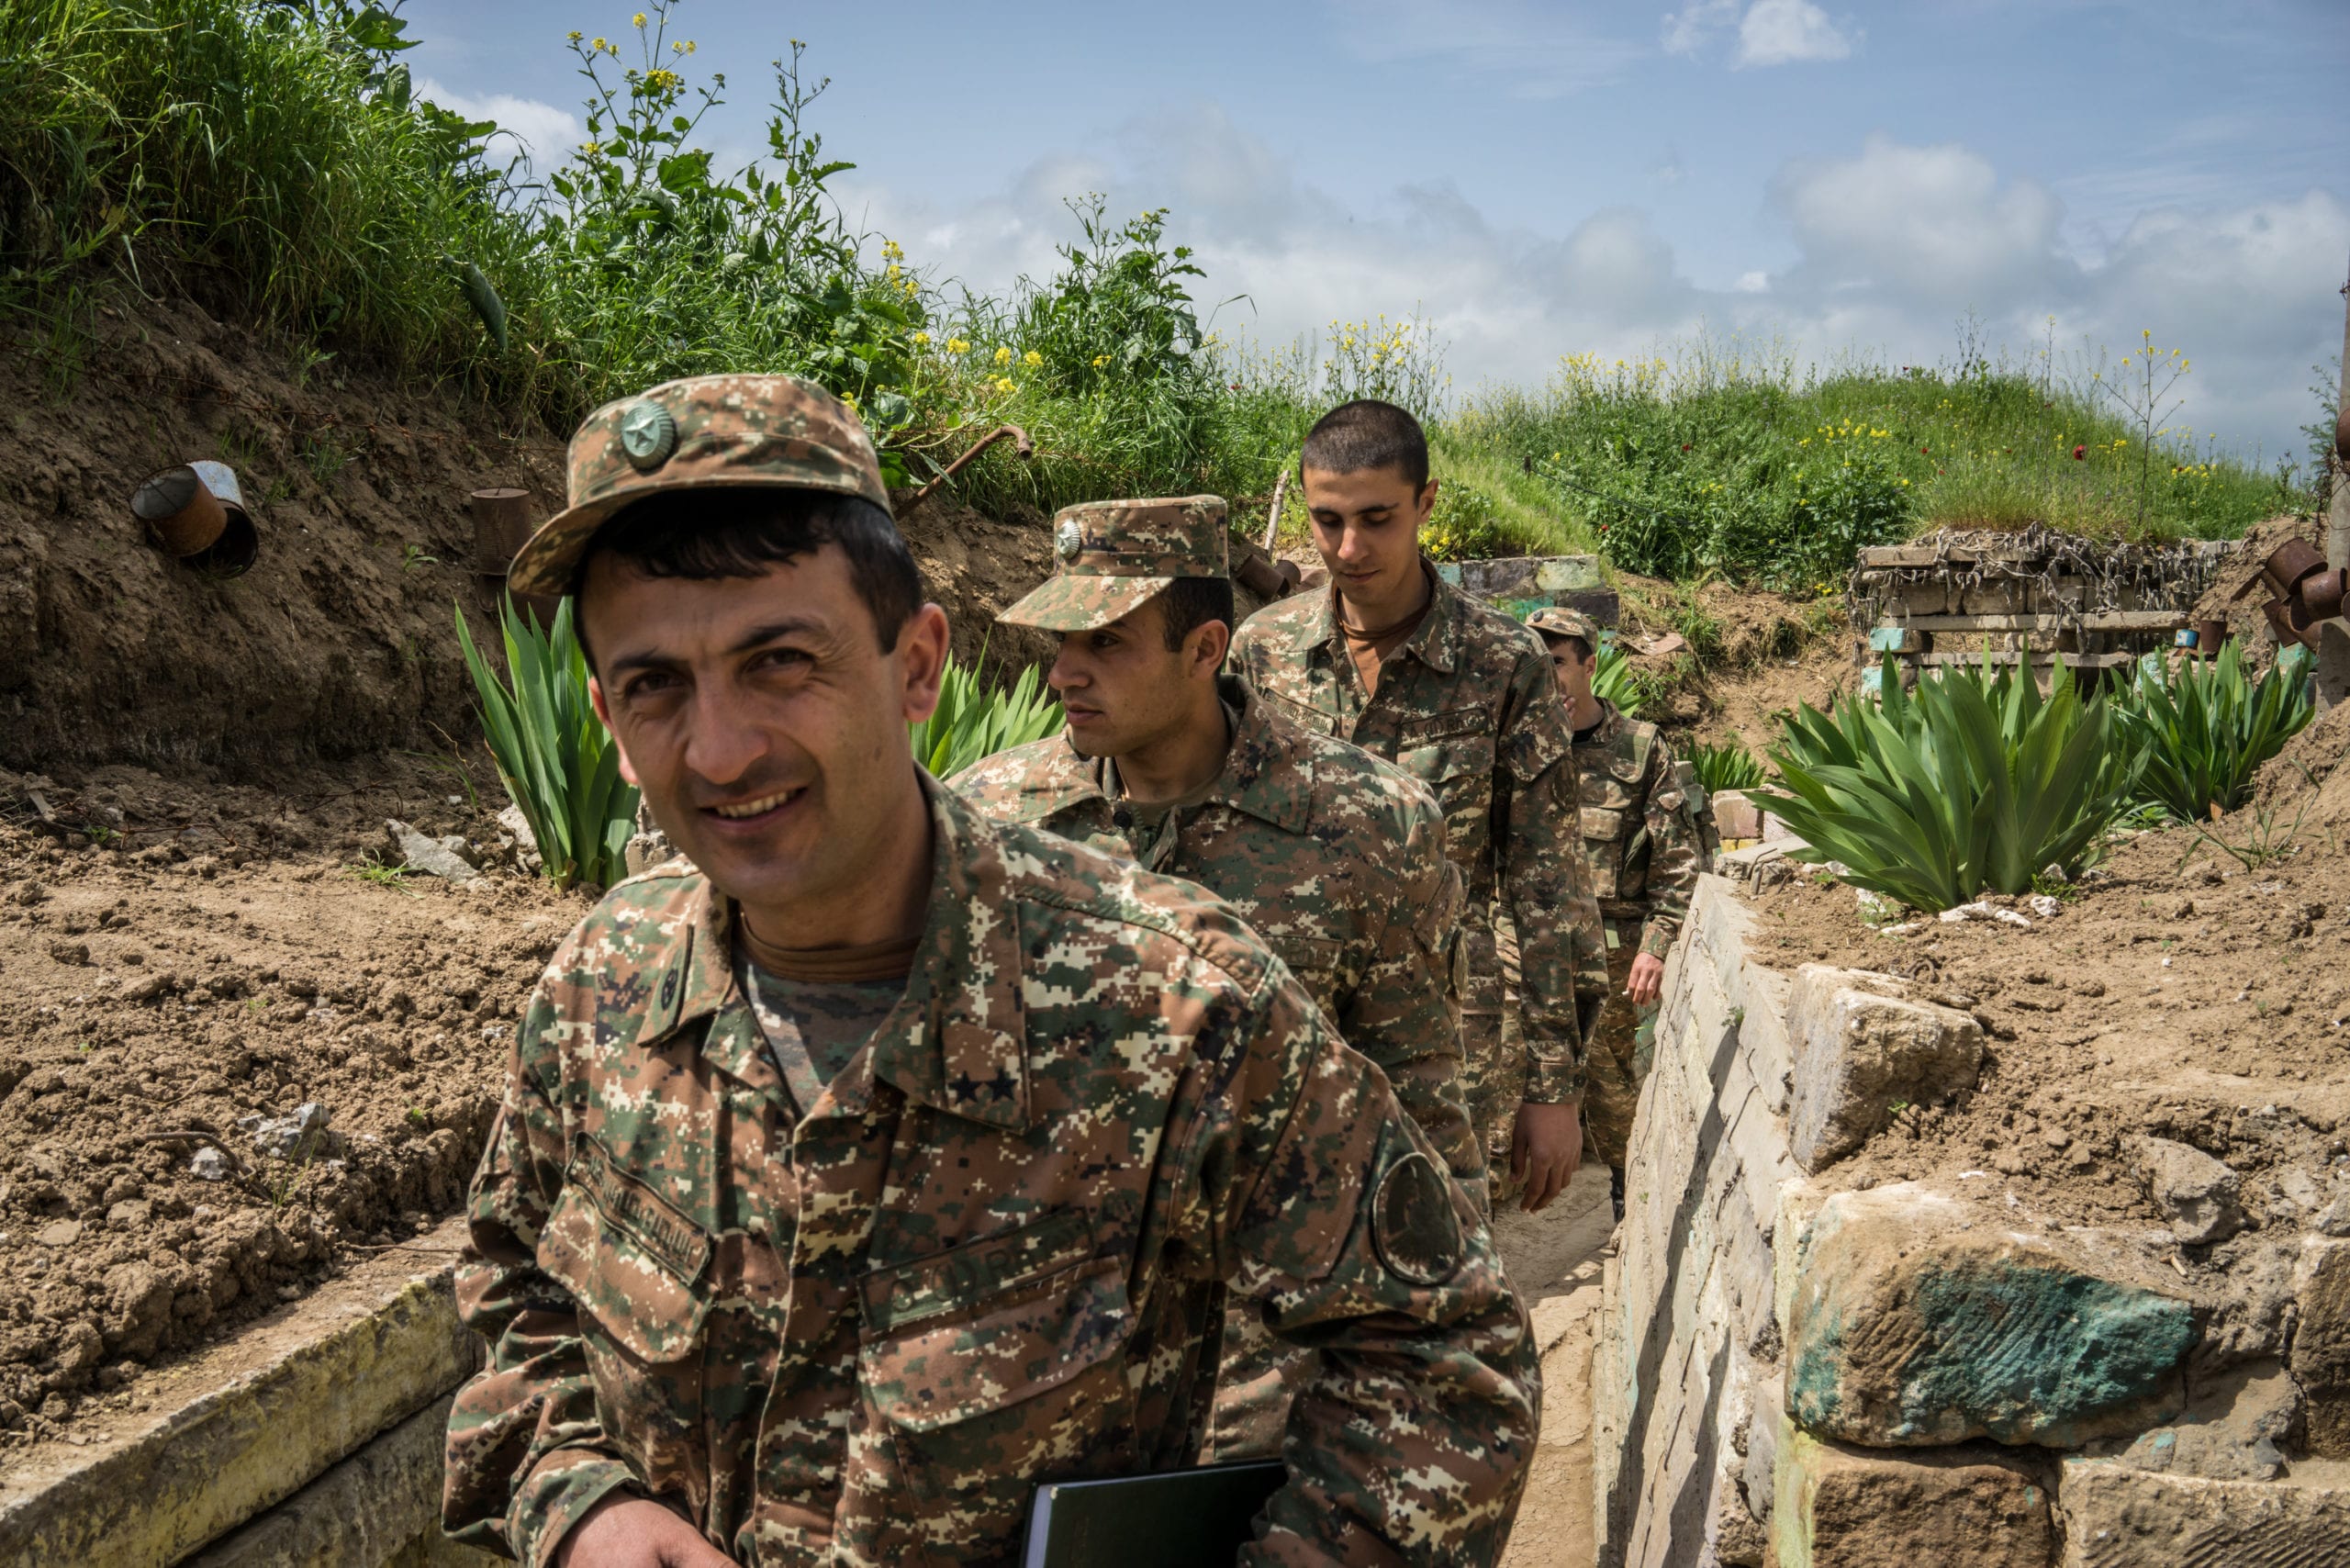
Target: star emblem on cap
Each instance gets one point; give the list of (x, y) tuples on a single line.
[(648, 435), (1068, 539)]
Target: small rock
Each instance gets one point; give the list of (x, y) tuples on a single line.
[(74, 953), (290, 1137), (208, 1164), (61, 1232), (2045, 907), (432, 856), (2335, 1218), (518, 827), (2201, 1196), (1875, 908), (131, 1214)]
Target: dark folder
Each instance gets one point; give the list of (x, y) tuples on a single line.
[(1181, 1519)]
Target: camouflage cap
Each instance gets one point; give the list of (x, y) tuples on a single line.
[(1117, 556), (714, 431), (1555, 620)]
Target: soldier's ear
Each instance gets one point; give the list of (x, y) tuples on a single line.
[(1210, 641), (921, 648)]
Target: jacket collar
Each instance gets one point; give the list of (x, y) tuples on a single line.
[(1266, 771), (955, 1040), (1437, 642)]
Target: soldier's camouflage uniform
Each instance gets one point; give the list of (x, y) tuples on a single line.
[(1643, 855), (1468, 705), (1336, 858), (994, 1250)]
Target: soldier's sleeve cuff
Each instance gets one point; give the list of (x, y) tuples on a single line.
[(1553, 1083), (1657, 937), (561, 1490)]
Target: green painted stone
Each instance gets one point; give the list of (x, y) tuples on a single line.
[(1898, 1338)]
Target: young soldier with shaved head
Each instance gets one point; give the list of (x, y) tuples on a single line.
[(881, 1162), (1459, 695), (1337, 860)]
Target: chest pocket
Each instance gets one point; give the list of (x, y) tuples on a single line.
[(1318, 963), (638, 1270), (998, 1364), (1452, 754)]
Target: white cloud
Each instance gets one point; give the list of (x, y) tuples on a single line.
[(1686, 30), (1933, 224), (542, 132), (1770, 32), (1537, 50), (1778, 32), (1892, 245)]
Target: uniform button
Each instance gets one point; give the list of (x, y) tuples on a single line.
[(1121, 818), (758, 1225)]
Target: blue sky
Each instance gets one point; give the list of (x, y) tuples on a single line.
[(1545, 179)]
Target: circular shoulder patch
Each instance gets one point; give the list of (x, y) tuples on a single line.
[(1414, 1224), (648, 435)]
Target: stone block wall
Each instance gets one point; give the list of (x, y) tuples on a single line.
[(1794, 1372)]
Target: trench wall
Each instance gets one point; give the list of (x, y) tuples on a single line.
[(1788, 1372), (312, 1439)]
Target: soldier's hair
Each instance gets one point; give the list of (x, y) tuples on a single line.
[(1553, 639), (704, 534), (1356, 437), (1188, 603)]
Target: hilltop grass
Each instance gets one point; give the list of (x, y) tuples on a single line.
[(1766, 474)]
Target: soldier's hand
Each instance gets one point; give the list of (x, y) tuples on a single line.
[(1647, 981), (626, 1531), (1544, 1150)]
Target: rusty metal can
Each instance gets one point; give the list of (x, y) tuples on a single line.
[(181, 511)]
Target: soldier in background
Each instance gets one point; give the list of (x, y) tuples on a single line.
[(876, 1162), (1643, 856), (1460, 696), (1337, 860)]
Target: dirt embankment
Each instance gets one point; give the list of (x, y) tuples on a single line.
[(340, 639), (177, 997), (2180, 994)]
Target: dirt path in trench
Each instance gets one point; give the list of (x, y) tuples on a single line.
[(1553, 1257)]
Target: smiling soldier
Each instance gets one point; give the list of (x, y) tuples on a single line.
[(1457, 694), (1336, 858), (894, 1160)]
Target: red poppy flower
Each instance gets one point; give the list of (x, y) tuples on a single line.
[(2080, 454)]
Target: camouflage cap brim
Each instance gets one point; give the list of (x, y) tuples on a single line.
[(1071, 602), (705, 432)]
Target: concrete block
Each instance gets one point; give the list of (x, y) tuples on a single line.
[(379, 1508), (1846, 1507), (2118, 1518), (1861, 1045), (1911, 1322), (2198, 1195), (246, 1423), (1735, 816), (2320, 1361)]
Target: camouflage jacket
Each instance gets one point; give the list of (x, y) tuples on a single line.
[(1338, 861), (1637, 838), (1468, 705), (995, 1250)]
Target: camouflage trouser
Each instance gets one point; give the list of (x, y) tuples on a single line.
[(1617, 1055)]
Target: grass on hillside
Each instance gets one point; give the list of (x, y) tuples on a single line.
[(1748, 466)]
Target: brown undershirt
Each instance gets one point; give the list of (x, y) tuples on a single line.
[(1371, 647), (816, 1006)]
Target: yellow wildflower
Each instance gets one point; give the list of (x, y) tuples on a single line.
[(574, 36), (1100, 360), (1033, 360), (957, 345), (599, 46), (637, 21), (1003, 356), (922, 340)]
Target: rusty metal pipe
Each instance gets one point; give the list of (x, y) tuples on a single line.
[(1022, 445), (1273, 517)]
